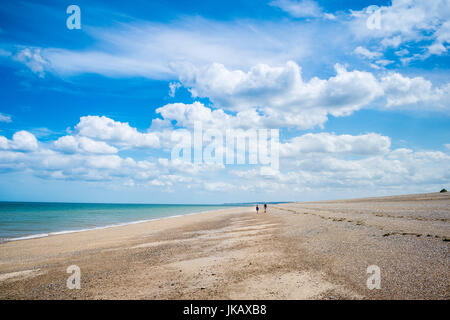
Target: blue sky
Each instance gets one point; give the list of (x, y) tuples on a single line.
[(87, 115)]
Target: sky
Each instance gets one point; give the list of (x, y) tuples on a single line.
[(357, 90)]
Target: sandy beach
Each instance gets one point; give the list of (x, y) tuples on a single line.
[(315, 250)]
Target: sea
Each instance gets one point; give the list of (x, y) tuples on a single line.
[(26, 220)]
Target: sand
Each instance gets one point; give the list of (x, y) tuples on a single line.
[(316, 250)]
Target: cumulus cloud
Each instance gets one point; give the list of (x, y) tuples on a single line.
[(76, 144), (406, 21), (319, 161), (281, 88), (53, 164), (115, 132), (400, 91), (23, 141), (268, 96), (400, 168), (186, 115), (281, 93), (274, 97), (82, 158)]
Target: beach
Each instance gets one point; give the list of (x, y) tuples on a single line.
[(304, 250)]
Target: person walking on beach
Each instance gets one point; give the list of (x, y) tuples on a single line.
[(257, 208), (265, 207)]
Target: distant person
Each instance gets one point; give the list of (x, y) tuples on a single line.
[(265, 207), (257, 208)]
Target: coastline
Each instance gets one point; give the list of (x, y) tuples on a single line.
[(107, 236), (316, 250), (55, 233)]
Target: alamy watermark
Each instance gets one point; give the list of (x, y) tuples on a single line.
[(231, 146), (74, 281), (373, 22), (74, 20), (374, 281)]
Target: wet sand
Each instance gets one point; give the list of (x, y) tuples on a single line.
[(315, 250)]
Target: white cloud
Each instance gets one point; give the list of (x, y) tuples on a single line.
[(442, 41), (147, 50), (5, 118), (319, 161), (32, 58), (219, 186), (170, 180), (280, 92), (192, 168), (299, 8), (115, 132), (402, 52), (407, 21), (50, 164), (384, 62), (3, 143), (330, 16), (366, 144), (274, 97), (400, 91), (75, 144), (269, 96), (186, 114), (367, 53), (392, 42), (70, 161), (398, 169), (22, 141)]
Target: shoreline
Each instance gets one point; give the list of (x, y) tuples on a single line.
[(61, 232), (55, 233), (109, 236)]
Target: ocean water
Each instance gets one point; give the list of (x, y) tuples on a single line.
[(25, 220)]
